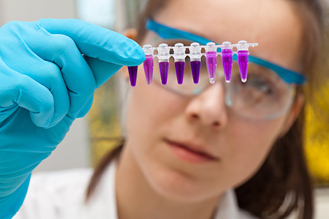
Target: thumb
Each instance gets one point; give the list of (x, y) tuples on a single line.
[(97, 42), (101, 70)]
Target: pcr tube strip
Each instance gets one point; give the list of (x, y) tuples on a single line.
[(179, 54)]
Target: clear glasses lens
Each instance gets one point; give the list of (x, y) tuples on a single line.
[(187, 87), (263, 96)]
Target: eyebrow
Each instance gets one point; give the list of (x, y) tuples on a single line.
[(166, 32)]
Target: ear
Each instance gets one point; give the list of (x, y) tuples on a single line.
[(131, 33), (293, 114)]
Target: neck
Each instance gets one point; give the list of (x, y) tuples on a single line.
[(137, 199)]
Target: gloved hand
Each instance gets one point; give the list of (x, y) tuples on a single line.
[(46, 83)]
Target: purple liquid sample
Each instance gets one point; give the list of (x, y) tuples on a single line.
[(180, 67), (243, 64), (148, 68), (133, 75), (164, 67), (211, 64), (195, 67), (227, 63)]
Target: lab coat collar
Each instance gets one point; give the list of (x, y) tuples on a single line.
[(227, 207)]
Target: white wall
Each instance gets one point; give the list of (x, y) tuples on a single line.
[(322, 203), (30, 10), (74, 150)]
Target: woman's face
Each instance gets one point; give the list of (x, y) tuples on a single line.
[(157, 117)]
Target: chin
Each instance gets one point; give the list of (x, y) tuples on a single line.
[(177, 186)]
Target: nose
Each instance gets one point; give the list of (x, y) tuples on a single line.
[(208, 108)]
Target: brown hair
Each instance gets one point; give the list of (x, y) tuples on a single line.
[(282, 184)]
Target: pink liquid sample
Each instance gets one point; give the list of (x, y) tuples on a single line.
[(180, 67), (243, 64), (227, 63), (133, 75), (148, 69), (211, 64), (164, 67)]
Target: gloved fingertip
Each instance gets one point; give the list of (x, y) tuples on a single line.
[(102, 70), (39, 121), (46, 21), (43, 119), (85, 109), (137, 55), (126, 52)]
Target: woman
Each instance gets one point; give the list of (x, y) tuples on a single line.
[(231, 151)]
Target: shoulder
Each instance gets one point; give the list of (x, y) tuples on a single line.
[(59, 183), (246, 215), (50, 192), (61, 178), (229, 208)]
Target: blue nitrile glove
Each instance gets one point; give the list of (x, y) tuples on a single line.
[(45, 83)]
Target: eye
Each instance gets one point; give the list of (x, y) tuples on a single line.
[(260, 84)]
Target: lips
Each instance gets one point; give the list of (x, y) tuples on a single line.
[(191, 152)]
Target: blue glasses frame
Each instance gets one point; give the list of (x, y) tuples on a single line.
[(166, 32)]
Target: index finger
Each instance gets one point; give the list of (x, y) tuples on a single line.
[(97, 42)]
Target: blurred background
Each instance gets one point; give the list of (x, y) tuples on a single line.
[(89, 137)]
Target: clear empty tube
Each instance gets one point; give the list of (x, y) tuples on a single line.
[(163, 57), (211, 59), (195, 61)]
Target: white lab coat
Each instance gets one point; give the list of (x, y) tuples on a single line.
[(60, 195)]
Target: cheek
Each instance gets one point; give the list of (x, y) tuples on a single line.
[(250, 149), (150, 111), (150, 106)]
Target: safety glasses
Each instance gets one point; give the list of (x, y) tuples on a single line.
[(267, 94)]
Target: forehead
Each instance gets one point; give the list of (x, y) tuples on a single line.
[(273, 24)]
